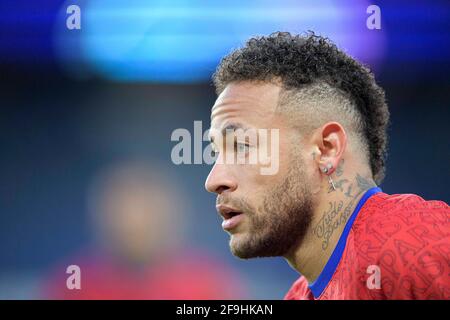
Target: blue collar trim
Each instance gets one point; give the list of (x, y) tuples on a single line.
[(325, 276)]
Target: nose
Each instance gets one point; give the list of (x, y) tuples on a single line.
[(220, 179)]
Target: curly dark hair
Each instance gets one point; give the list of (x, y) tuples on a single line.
[(299, 61)]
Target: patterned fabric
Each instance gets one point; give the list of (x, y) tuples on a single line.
[(403, 240)]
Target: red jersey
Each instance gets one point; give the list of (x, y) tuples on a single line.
[(393, 247)]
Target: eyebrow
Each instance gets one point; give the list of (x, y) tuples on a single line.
[(233, 126)]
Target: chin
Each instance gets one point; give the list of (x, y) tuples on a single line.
[(243, 247), (239, 244)]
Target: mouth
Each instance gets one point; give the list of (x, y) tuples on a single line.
[(231, 217)]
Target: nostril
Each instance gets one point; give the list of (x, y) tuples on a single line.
[(221, 189)]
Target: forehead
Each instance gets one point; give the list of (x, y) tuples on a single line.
[(253, 104)]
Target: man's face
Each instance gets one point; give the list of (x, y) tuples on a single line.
[(265, 214)]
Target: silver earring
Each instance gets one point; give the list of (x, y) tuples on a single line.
[(326, 170), (331, 183)]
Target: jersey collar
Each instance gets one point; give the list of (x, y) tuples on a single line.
[(325, 276)]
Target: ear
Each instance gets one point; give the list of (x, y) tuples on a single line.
[(331, 142)]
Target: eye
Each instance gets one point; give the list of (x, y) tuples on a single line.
[(242, 147)]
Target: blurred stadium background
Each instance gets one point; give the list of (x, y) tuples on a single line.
[(86, 115)]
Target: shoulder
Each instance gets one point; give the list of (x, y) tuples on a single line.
[(407, 237), (400, 202), (393, 222), (403, 212)]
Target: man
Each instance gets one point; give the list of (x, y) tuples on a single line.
[(322, 209)]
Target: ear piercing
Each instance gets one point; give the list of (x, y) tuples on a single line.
[(330, 181), (326, 170)]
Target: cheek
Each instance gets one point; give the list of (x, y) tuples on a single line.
[(255, 185), (280, 161)]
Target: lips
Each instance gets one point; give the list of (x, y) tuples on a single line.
[(227, 212), (231, 216)]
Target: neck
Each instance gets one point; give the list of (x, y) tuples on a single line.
[(329, 219)]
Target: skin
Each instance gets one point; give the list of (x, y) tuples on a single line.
[(294, 213)]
